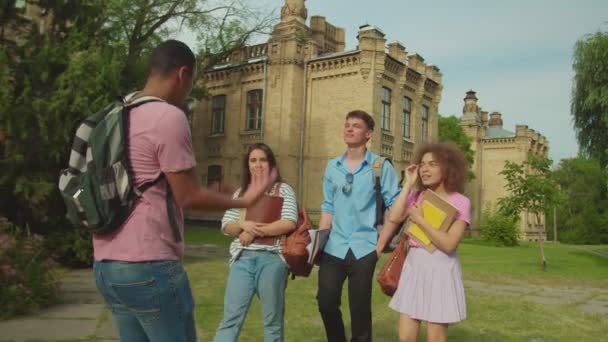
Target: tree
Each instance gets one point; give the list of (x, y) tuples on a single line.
[(589, 105), (531, 189), (450, 130), (220, 27), (52, 80), (582, 217)]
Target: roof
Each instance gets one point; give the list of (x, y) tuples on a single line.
[(497, 132)]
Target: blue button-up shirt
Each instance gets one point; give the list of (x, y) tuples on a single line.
[(354, 214)]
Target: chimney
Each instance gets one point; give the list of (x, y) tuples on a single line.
[(495, 120)]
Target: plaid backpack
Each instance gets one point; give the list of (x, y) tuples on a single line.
[(97, 187)]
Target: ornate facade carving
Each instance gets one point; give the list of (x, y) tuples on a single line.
[(293, 9), (412, 76), (392, 66), (430, 86), (333, 63), (388, 78)]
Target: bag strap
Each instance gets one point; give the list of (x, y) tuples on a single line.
[(130, 102), (134, 99), (276, 189), (171, 213), (377, 166)]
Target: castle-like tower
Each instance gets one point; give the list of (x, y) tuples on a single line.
[(293, 93), (493, 145)]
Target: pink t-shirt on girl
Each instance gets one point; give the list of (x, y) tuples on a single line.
[(460, 201), (159, 142)]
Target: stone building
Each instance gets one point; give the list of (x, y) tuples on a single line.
[(493, 145), (293, 93)]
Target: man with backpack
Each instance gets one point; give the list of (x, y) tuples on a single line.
[(138, 242), (349, 210)]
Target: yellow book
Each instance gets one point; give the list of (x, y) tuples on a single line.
[(438, 213)]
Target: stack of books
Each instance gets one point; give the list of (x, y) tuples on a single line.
[(438, 212)]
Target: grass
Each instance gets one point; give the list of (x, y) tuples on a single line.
[(567, 266), (600, 248), (204, 235), (491, 317)]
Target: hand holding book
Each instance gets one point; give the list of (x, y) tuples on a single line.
[(433, 211), (318, 239)]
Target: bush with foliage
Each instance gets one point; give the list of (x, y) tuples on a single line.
[(72, 247), (498, 228), (28, 276)]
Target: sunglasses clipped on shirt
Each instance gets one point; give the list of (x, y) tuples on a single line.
[(348, 186)]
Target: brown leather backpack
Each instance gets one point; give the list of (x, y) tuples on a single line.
[(294, 247)]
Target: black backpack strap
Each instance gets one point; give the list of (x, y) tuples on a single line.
[(377, 174), (171, 213), (168, 202)]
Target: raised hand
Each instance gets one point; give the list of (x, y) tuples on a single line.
[(225, 188), (411, 174), (260, 183)]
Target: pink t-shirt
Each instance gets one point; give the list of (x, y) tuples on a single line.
[(460, 201), (159, 141)]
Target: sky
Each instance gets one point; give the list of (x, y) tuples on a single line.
[(516, 54)]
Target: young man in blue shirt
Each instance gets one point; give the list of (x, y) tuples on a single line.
[(349, 210)]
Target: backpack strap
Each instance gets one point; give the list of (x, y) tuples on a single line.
[(171, 213), (129, 102), (276, 189), (134, 99), (377, 175)]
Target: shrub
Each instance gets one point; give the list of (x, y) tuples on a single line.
[(28, 276), (71, 247), (499, 228)]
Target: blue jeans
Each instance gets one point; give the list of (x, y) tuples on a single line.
[(149, 301), (254, 272)]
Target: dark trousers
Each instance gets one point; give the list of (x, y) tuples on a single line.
[(332, 273)]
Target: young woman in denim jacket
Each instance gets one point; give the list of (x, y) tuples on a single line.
[(257, 268)]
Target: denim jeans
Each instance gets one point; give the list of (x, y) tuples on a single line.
[(254, 272), (333, 272), (149, 301)]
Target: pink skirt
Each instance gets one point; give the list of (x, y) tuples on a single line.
[(430, 288)]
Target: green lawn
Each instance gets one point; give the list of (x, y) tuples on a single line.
[(490, 317), (567, 265), (600, 248), (204, 235)]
